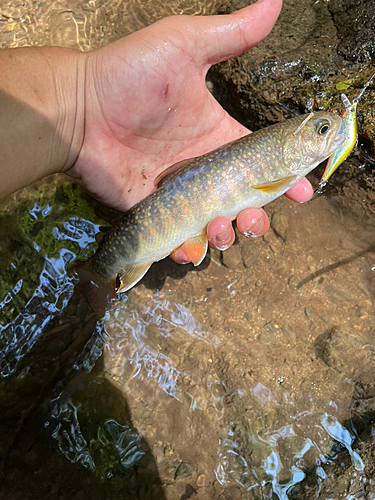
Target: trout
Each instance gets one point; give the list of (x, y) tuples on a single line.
[(248, 172)]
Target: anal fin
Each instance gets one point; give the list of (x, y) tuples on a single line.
[(196, 247), (130, 275), (279, 185)]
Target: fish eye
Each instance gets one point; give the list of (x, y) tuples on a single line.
[(321, 126)]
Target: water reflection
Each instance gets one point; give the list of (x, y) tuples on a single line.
[(275, 462), (67, 240), (113, 442), (342, 436), (242, 373), (159, 355), (227, 371)]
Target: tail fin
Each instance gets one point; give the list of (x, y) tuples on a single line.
[(99, 293)]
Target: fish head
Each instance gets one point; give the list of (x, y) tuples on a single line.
[(314, 138)]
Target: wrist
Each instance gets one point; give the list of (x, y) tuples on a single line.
[(68, 112), (42, 113)]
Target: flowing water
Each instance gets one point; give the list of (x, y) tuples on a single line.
[(249, 377)]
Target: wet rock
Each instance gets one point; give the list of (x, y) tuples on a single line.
[(183, 471), (232, 257), (313, 47), (323, 345), (279, 224), (158, 452), (201, 480), (355, 24), (271, 239), (188, 493), (250, 254), (268, 335)]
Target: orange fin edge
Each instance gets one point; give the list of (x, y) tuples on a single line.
[(196, 247)]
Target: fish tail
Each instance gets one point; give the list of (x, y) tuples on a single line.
[(99, 292)]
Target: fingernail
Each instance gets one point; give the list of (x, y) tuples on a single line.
[(222, 240), (254, 229), (182, 257)]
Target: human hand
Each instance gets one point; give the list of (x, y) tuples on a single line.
[(147, 107)]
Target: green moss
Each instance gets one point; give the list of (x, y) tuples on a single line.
[(54, 223)]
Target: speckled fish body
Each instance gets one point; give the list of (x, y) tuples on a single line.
[(249, 172), (349, 131)]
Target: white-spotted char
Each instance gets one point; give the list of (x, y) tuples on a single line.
[(248, 172)]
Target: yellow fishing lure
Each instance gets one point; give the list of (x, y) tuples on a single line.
[(349, 131)]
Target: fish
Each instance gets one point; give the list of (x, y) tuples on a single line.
[(248, 172), (349, 131)]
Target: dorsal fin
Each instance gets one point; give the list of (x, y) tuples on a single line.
[(166, 174)]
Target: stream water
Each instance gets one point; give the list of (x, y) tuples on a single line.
[(249, 377)]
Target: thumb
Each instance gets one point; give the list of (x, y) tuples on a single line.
[(219, 38)]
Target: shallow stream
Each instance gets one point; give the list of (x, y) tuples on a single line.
[(249, 377)]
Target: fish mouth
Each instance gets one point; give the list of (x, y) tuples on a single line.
[(337, 142)]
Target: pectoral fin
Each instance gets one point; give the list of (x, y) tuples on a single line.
[(273, 187), (197, 247), (130, 275)]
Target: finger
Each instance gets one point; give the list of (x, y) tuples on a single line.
[(301, 191), (220, 233), (180, 255), (219, 38), (253, 222)]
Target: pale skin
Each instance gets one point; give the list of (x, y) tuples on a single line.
[(116, 117)]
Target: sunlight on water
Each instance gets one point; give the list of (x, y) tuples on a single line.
[(344, 437), (277, 460), (50, 236), (144, 339), (50, 297), (137, 351), (232, 369), (121, 444), (85, 25), (216, 382)]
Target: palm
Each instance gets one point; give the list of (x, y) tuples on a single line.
[(149, 108)]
